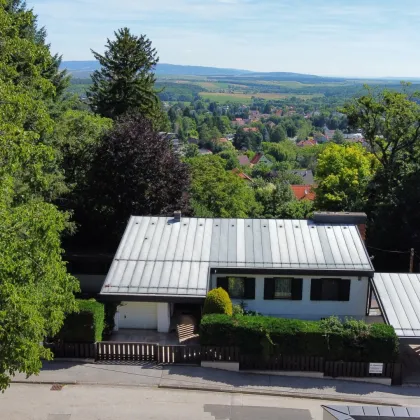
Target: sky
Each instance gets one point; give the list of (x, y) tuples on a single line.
[(359, 38)]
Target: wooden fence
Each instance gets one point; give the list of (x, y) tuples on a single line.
[(130, 351), (73, 350), (184, 354)]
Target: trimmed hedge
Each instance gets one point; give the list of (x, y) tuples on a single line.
[(217, 302), (87, 325), (268, 336)]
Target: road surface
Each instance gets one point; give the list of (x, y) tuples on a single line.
[(99, 402)]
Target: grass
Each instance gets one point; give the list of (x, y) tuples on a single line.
[(247, 98)]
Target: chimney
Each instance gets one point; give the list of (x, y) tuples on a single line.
[(177, 216), (328, 217)]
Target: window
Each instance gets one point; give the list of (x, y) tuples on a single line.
[(238, 287), (282, 288), (330, 289)]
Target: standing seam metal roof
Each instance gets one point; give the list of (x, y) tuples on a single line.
[(399, 298), (158, 255)]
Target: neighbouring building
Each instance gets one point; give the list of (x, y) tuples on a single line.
[(243, 160), (306, 174), (370, 412), (303, 192), (306, 143), (242, 175), (259, 158)]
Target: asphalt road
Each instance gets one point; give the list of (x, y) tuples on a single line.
[(98, 402)]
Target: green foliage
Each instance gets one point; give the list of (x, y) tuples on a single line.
[(217, 302), (247, 140), (343, 174), (87, 325), (216, 192), (36, 292), (191, 151), (126, 80), (278, 135), (282, 152), (331, 339), (76, 136), (134, 172), (338, 137), (390, 124)]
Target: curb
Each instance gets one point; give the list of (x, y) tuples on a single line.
[(289, 394)]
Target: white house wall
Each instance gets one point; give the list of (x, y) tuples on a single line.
[(305, 308)]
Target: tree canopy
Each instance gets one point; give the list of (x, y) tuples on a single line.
[(343, 174), (126, 80), (216, 192), (134, 172), (35, 290)]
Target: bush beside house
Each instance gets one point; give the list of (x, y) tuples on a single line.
[(217, 302), (267, 336), (85, 326)]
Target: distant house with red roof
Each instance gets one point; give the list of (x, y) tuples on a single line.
[(259, 158), (242, 175), (238, 122), (223, 140), (251, 130), (306, 143), (303, 192)]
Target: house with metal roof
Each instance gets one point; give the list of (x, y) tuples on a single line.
[(369, 412), (306, 269)]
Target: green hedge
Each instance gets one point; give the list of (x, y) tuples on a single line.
[(87, 325), (268, 336)]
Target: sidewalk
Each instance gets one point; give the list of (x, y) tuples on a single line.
[(196, 378)]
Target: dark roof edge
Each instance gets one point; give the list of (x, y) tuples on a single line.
[(293, 271), (119, 297), (339, 217)]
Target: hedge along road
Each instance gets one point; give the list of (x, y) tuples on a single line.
[(352, 340)]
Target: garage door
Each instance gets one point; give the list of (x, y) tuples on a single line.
[(141, 315)]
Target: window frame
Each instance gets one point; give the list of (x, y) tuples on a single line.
[(318, 286)]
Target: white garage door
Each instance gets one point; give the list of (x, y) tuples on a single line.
[(141, 315)]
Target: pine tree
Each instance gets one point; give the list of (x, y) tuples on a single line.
[(126, 79)]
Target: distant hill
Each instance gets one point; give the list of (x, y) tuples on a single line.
[(84, 68)]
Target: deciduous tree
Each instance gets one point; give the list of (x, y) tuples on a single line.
[(343, 174), (134, 171), (216, 192)]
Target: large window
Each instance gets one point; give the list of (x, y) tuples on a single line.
[(330, 289), (238, 287), (282, 288)]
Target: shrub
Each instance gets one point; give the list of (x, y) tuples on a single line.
[(331, 339), (87, 325), (217, 302)]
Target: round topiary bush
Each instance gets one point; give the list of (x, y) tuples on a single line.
[(217, 302)]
